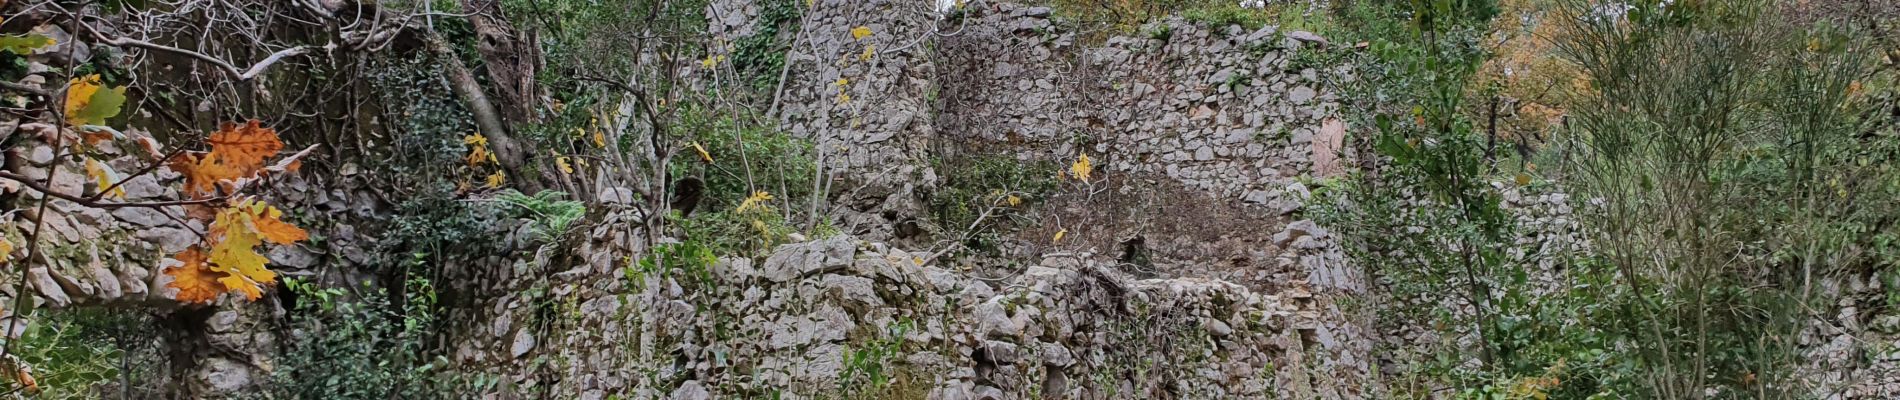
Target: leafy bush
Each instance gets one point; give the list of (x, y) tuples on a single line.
[(84, 354), (365, 348), (551, 215), (1729, 160), (973, 185)]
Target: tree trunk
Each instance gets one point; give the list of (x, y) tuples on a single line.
[(512, 58)]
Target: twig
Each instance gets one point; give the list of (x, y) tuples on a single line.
[(971, 231), (24, 88), (148, 169), (222, 64), (37, 186)]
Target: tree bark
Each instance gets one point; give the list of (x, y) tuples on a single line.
[(512, 58), (487, 121)]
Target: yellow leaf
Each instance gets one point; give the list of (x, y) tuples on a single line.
[(600, 139), (843, 82), (496, 179), (566, 168), (1059, 235), (753, 202), (1082, 167), (860, 32), (1013, 201), (195, 281), (477, 149), (86, 104), (703, 155), (478, 155), (234, 237), (103, 176), (870, 50), (844, 98), (6, 249), (1523, 180)]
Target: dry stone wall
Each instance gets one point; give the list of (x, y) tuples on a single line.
[(1228, 111), (819, 319)]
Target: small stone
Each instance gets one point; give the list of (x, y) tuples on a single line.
[(500, 326), (999, 352), (615, 195), (224, 321), (47, 287), (41, 155), (1056, 355), (1301, 95), (1307, 37), (1216, 327), (224, 375), (292, 256), (142, 216), (169, 240), (690, 390), (524, 342)]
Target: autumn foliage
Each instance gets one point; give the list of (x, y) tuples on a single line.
[(227, 261)]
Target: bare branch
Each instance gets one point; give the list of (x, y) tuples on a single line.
[(31, 184), (24, 88), (222, 64)]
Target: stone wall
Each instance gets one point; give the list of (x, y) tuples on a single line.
[(814, 319)]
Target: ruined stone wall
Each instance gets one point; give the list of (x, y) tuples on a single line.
[(1220, 124)]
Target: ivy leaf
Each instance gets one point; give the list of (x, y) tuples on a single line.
[(24, 44), (103, 176), (88, 104), (195, 281)]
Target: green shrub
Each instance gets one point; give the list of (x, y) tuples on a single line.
[(972, 185), (367, 347), (86, 353)]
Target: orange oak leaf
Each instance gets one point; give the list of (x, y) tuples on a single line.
[(244, 147), (268, 222), (195, 281), (202, 175)]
